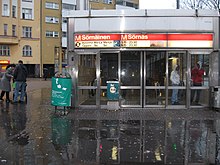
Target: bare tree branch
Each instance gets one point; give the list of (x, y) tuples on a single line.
[(200, 4)]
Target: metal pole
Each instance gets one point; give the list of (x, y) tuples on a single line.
[(177, 4)]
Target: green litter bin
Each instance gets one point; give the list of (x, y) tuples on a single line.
[(61, 91)]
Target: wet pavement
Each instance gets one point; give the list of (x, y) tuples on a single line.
[(33, 134)]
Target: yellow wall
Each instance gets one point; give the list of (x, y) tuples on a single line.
[(102, 6), (49, 43), (42, 47)]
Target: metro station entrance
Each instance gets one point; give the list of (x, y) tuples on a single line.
[(144, 78)]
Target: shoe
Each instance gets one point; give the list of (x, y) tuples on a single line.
[(8, 101), (22, 102), (14, 102), (176, 103)]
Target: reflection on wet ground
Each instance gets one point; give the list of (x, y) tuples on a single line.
[(33, 134)]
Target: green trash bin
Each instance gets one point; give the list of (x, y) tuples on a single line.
[(61, 91)]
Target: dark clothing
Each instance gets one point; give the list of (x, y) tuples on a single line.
[(7, 95), (20, 73), (45, 73), (196, 92)]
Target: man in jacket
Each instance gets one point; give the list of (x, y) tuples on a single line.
[(20, 76), (197, 79), (175, 79)]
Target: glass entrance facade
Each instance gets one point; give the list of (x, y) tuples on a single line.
[(162, 79)]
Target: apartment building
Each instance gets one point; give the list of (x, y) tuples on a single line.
[(31, 31), (128, 3)]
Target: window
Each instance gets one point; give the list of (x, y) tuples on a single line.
[(107, 1), (119, 2), (64, 20), (26, 0), (27, 31), (27, 52), (52, 19), (64, 34), (14, 10), (51, 5), (68, 6), (4, 50), (13, 30), (5, 29), (26, 13), (52, 34), (5, 11)]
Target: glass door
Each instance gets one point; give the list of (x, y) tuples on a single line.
[(155, 79), (131, 78), (87, 80), (199, 95), (108, 72), (177, 79)]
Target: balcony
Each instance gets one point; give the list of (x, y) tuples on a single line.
[(8, 39)]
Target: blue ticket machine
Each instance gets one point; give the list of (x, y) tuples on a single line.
[(113, 90)]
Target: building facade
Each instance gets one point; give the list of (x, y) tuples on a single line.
[(31, 31), (128, 3), (141, 49)]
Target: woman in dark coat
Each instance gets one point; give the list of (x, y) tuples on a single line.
[(6, 82)]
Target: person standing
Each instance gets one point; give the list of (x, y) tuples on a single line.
[(45, 73), (6, 82), (197, 79), (20, 76), (175, 79)]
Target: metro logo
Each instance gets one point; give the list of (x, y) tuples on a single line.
[(78, 38)]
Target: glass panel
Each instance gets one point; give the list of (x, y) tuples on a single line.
[(177, 77), (181, 96), (87, 77), (103, 97), (108, 67), (130, 68), (87, 70), (87, 96), (202, 100), (130, 97), (155, 97), (199, 79), (155, 68)]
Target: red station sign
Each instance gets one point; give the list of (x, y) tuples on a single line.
[(135, 40)]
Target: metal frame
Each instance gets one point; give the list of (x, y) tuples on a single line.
[(142, 80)]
